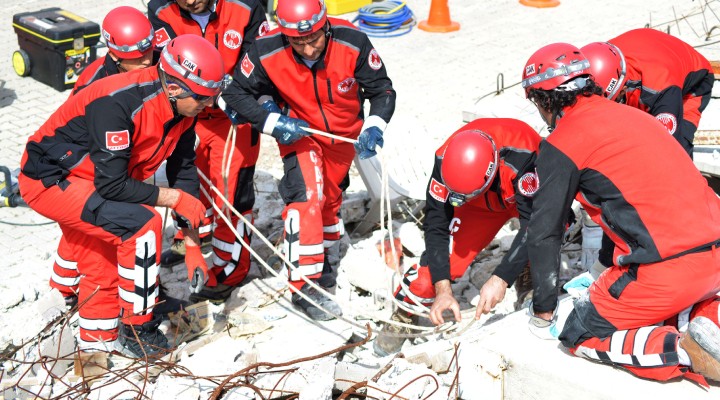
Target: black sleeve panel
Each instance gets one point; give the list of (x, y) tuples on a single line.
[(436, 225), (181, 171), (669, 100), (375, 84), (257, 17), (111, 166), (242, 93), (559, 179)]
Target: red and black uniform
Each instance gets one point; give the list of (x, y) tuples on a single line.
[(85, 167), (649, 198), (667, 78), (455, 235), (231, 27), (65, 277), (328, 96)]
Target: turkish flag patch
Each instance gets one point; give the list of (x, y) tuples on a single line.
[(438, 191), (669, 122), (528, 184), (117, 140), (246, 66), (161, 37)]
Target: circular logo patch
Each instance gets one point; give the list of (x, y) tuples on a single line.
[(264, 28), (528, 184), (232, 39), (346, 85), (374, 60), (669, 121)]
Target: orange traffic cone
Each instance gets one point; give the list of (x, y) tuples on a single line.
[(540, 3), (439, 18)]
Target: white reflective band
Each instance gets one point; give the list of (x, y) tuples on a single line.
[(617, 341), (219, 262), (98, 324), (329, 243), (229, 268), (69, 282), (65, 264), (222, 245), (186, 74), (142, 46), (126, 273), (296, 274), (551, 73), (641, 338), (333, 228), (270, 123), (311, 249), (99, 345), (684, 319), (127, 296)]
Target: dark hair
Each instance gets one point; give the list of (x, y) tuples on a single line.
[(555, 100)]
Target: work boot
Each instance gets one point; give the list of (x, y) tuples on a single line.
[(153, 343), (215, 294), (385, 344), (313, 312), (176, 253), (70, 301), (702, 343), (328, 278)]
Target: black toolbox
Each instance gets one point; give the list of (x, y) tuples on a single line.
[(55, 46)]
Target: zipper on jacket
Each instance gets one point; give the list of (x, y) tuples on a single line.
[(329, 84), (317, 97)]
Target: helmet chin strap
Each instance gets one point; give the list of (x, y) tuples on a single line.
[(171, 98)]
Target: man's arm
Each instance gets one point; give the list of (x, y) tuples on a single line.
[(372, 77), (249, 83)]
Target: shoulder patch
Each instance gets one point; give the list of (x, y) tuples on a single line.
[(161, 37), (438, 191), (374, 60), (117, 140), (263, 29), (246, 66), (232, 39), (669, 122), (528, 184)]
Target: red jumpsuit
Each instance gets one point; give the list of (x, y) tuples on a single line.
[(329, 96), (65, 276), (455, 235), (85, 167), (231, 27), (649, 198), (667, 78)]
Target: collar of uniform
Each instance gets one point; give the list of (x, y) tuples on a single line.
[(110, 65), (212, 5)]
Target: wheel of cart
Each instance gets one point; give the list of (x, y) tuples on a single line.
[(21, 62)]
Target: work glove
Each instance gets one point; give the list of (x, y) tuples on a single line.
[(542, 328), (371, 135), (286, 130), (189, 208), (197, 269), (230, 112), (576, 286), (271, 106)]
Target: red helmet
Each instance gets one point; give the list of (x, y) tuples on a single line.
[(128, 33), (300, 17), (469, 165), (607, 66), (196, 63), (552, 66)]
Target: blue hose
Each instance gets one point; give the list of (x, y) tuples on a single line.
[(385, 19)]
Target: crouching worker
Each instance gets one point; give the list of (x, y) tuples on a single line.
[(649, 198), (484, 175), (85, 167)]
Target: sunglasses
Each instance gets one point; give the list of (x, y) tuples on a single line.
[(199, 98)]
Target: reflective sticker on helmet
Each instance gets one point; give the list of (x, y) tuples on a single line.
[(529, 69), (264, 29), (117, 140), (346, 85), (232, 39), (669, 122), (374, 60), (611, 85), (528, 184), (105, 34), (438, 191), (490, 169), (189, 65), (161, 37), (246, 66)]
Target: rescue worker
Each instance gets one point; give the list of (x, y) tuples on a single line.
[(617, 162), (484, 175), (229, 26), (320, 70), (669, 79), (129, 37), (92, 156)]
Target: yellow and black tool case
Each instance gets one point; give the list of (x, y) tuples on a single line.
[(55, 46)]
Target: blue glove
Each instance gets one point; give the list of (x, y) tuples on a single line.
[(576, 286), (230, 112), (271, 106), (286, 130), (366, 142)]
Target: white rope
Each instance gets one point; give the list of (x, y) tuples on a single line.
[(329, 135)]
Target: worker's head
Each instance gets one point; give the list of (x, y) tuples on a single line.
[(469, 165), (192, 72), (554, 77), (194, 6), (607, 66), (304, 23), (129, 37)]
